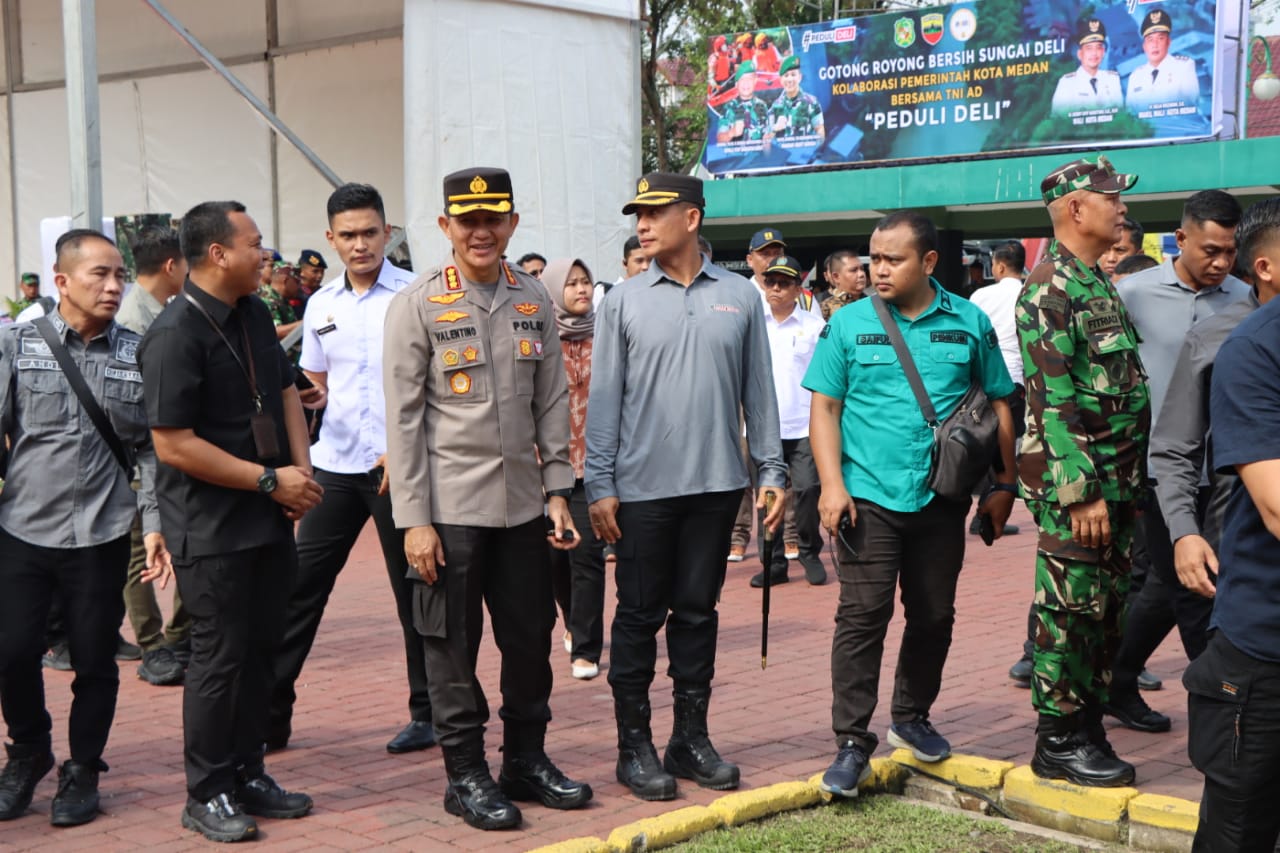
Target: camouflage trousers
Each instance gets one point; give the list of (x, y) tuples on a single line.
[(1079, 607)]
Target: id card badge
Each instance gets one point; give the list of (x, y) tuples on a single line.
[(264, 435)]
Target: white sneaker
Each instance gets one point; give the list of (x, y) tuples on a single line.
[(586, 671), (737, 553), (568, 643), (792, 551)]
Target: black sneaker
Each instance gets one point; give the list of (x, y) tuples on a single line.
[(1021, 672), (182, 651), (161, 667), (219, 819), (126, 650), (26, 766), (850, 769), (261, 796), (77, 799), (58, 657), (921, 738), (1133, 712), (776, 577), (814, 572)]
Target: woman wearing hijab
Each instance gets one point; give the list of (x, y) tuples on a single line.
[(579, 574)]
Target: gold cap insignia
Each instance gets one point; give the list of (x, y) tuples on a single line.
[(643, 186), (479, 185), (1093, 26), (1156, 17), (768, 235)]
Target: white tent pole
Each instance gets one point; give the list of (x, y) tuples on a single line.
[(80, 40)]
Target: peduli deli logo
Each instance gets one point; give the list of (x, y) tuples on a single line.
[(904, 32), (931, 28)]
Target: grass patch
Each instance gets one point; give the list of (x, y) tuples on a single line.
[(881, 824)]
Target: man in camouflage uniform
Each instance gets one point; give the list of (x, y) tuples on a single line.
[(284, 285), (746, 117), (794, 113), (1081, 469)]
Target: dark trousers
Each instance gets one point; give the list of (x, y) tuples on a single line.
[(1162, 604), (922, 552), (670, 569), (235, 601), (141, 605), (803, 476), (326, 536), (578, 577), (507, 570), (88, 582), (1233, 707)]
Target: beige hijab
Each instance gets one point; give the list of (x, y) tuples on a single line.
[(573, 327)]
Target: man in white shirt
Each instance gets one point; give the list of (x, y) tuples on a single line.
[(767, 246), (793, 334), (342, 354)]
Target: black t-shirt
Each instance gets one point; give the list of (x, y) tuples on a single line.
[(191, 380)]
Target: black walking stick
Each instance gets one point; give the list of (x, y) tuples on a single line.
[(766, 534)]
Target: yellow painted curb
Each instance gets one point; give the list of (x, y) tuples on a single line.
[(745, 806), (1164, 812), (967, 770), (664, 830), (589, 844), (1107, 805)]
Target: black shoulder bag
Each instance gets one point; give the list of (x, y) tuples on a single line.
[(76, 380), (965, 444)]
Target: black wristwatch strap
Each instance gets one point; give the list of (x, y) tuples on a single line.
[(560, 493), (1011, 488)]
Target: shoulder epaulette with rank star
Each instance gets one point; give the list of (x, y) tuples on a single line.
[(451, 279), (511, 277)]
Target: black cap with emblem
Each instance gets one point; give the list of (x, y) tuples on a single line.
[(1156, 21), (478, 188), (661, 188), (1090, 30)]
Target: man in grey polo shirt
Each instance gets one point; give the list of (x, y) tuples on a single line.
[(1165, 303), (679, 351)]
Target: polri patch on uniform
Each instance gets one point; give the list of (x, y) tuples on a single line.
[(127, 350), (470, 354), (1052, 303), (124, 375), (460, 382), (948, 338), (452, 317), (31, 346), (528, 309), (451, 279), (450, 357), (446, 298), (993, 340), (526, 347), (324, 330)]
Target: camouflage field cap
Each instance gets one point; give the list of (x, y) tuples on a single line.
[(785, 265), (1093, 174)]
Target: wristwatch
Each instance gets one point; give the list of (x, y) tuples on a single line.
[(267, 482), (1011, 488)]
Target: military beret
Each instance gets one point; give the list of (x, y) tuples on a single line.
[(1156, 21), (785, 265), (789, 63), (1096, 175), (765, 237), (479, 188), (747, 67), (311, 258), (657, 189), (1090, 30)]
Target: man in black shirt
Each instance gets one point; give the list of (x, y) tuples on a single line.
[(234, 473)]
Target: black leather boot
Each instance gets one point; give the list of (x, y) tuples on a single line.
[(472, 794), (1064, 750), (26, 766), (690, 754), (638, 765), (1091, 723), (528, 774), (77, 799)]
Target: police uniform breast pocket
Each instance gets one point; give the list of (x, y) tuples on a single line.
[(465, 379), (45, 397), (529, 352)]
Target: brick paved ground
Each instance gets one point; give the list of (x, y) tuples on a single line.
[(775, 724)]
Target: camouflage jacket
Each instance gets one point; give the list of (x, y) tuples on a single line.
[(837, 300), (1088, 407), (801, 115), (281, 311), (753, 114)]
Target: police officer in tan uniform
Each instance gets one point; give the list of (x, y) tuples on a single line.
[(475, 381)]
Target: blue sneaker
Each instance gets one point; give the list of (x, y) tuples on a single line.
[(921, 738), (851, 767)]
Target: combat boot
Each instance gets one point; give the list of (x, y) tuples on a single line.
[(528, 774), (26, 766), (638, 765), (690, 754), (472, 794), (1064, 750)]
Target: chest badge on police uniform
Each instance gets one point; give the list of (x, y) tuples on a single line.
[(460, 382), (450, 357), (452, 316), (528, 309), (470, 353), (526, 347), (127, 350), (446, 298)]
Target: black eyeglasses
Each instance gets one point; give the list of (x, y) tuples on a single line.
[(780, 285)]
